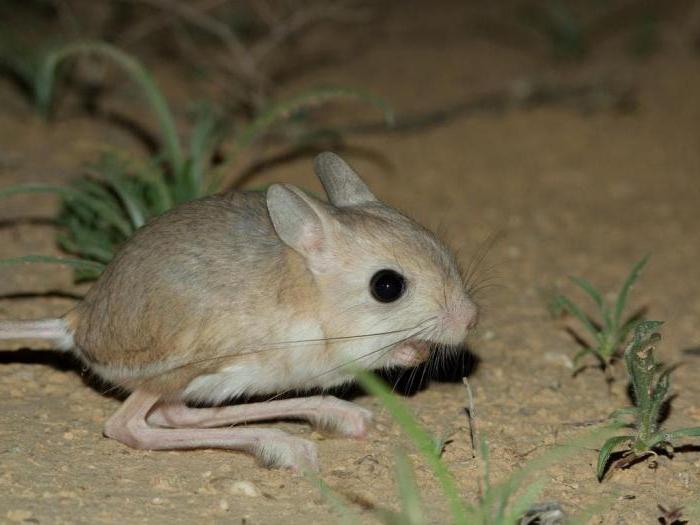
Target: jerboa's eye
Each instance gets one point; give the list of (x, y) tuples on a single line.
[(387, 286)]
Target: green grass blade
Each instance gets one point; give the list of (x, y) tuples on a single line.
[(591, 290), (683, 432), (284, 109), (624, 291), (605, 451), (597, 297), (617, 415), (96, 205), (409, 495), (496, 498), (48, 259), (101, 192), (89, 250), (524, 501), (130, 200), (44, 84), (128, 189), (420, 438), (157, 191), (658, 397), (574, 310), (208, 132)]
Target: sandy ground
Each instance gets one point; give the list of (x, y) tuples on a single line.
[(565, 191)]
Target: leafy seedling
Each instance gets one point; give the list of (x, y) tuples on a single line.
[(650, 385), (610, 333)]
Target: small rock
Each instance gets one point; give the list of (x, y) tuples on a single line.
[(244, 488), (223, 505), (558, 358)]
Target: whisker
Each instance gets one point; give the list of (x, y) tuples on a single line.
[(479, 257), (286, 344), (385, 349), (276, 346)]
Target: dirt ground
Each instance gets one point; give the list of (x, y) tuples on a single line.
[(565, 188)]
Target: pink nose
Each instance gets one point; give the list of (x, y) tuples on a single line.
[(463, 316)]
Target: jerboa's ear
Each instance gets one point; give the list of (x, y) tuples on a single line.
[(299, 219), (343, 186)]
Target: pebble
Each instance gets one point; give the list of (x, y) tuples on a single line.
[(559, 359), (244, 488), (231, 486)]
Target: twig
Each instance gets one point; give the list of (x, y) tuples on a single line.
[(471, 417), (151, 24), (241, 55), (286, 28)]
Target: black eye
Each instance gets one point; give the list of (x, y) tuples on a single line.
[(387, 286)]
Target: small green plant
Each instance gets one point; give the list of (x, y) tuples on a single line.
[(509, 502), (650, 384), (572, 32), (102, 209), (610, 333)]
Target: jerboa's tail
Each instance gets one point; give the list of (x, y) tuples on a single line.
[(55, 330)]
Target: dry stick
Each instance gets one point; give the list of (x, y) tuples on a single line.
[(619, 98), (299, 20), (240, 61), (149, 25), (471, 417), (214, 27)]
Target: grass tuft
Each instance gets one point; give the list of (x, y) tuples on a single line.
[(102, 209), (610, 332)]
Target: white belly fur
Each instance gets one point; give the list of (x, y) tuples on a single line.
[(278, 369)]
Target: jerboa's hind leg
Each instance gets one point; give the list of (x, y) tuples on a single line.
[(272, 447), (326, 412)]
